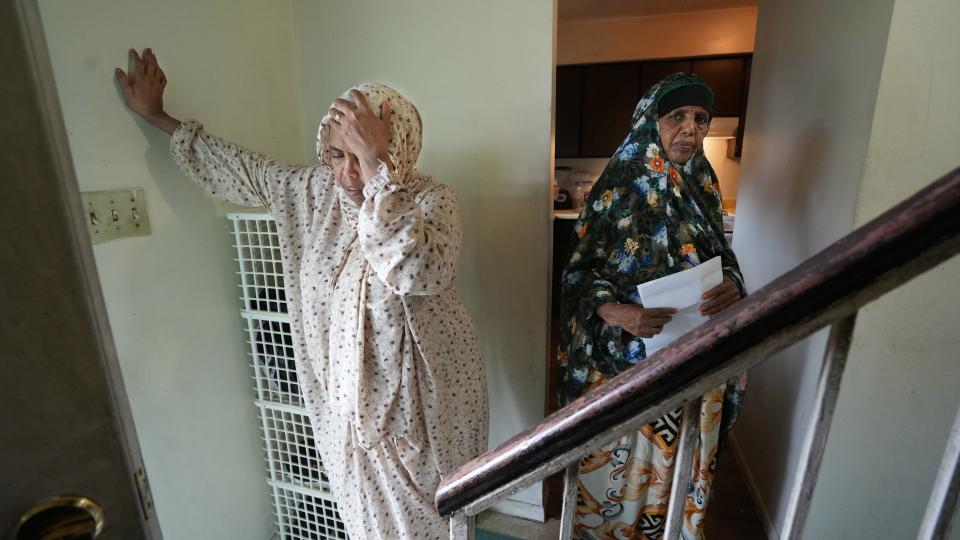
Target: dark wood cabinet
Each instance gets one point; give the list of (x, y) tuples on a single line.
[(610, 93), (569, 79), (725, 76), (595, 102), (652, 72)]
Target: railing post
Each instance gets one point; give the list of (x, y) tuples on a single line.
[(462, 527), (828, 388), (571, 478), (946, 488), (682, 462)]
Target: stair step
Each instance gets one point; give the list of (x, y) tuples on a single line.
[(483, 534)]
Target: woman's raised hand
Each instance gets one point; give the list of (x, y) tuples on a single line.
[(637, 320), (366, 135), (142, 88)]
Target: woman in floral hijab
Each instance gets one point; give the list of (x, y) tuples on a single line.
[(655, 210)]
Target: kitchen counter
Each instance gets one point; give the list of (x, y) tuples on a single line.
[(566, 214)]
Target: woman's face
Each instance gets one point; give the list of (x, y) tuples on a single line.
[(682, 131), (346, 167)]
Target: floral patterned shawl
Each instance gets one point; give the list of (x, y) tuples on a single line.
[(646, 217)]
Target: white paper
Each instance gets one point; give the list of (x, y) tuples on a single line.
[(683, 291)]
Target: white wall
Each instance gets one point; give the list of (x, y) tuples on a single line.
[(480, 73), (816, 71), (171, 297), (700, 33), (899, 393)]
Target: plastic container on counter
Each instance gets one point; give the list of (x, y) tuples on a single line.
[(563, 176), (561, 198), (583, 186)]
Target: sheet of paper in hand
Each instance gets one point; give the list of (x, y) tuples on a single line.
[(684, 291)]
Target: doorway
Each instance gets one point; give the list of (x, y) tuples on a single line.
[(608, 54)]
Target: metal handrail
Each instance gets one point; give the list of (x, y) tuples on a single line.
[(900, 244)]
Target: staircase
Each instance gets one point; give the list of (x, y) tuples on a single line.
[(826, 290)]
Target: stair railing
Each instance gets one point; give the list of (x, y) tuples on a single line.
[(826, 290)]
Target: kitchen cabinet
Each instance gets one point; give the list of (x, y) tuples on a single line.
[(609, 96), (652, 72), (595, 102), (567, 128), (562, 249), (725, 76)]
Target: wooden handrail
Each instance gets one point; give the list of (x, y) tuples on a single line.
[(900, 244)]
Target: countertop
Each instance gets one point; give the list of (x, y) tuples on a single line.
[(566, 214)]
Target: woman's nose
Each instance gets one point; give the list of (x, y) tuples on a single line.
[(351, 168)]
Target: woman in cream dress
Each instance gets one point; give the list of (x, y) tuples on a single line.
[(388, 358)]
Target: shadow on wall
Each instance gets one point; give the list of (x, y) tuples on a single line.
[(495, 215), (801, 173), (787, 380), (169, 181), (184, 199)]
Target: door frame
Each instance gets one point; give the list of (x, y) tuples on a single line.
[(38, 99)]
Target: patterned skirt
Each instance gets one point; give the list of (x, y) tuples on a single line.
[(624, 488)]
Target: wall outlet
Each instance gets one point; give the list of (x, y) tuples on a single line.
[(114, 214)]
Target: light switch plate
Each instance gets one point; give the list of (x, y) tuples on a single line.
[(114, 214)]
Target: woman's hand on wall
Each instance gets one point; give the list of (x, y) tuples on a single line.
[(366, 135), (719, 298), (143, 88), (637, 320)]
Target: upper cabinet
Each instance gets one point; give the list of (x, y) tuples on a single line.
[(725, 76), (608, 99), (652, 72), (569, 80), (595, 102)]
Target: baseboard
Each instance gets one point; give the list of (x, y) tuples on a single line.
[(772, 532), (521, 509)]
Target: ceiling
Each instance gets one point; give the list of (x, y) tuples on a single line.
[(581, 10)]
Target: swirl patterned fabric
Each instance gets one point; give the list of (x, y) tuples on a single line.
[(646, 217)]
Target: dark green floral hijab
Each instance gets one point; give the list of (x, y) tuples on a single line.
[(646, 217)]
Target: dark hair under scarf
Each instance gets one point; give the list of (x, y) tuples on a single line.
[(693, 94), (646, 217)]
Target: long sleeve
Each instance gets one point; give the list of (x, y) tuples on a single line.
[(234, 174), (587, 268), (586, 284), (731, 269), (412, 244)]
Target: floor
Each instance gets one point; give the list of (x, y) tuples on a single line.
[(496, 526), (730, 516)]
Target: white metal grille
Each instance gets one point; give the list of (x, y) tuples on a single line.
[(272, 358), (305, 516), (258, 254), (304, 505), (288, 442)]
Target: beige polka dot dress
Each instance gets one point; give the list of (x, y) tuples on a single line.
[(388, 357)]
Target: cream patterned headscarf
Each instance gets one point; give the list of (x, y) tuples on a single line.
[(405, 142)]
